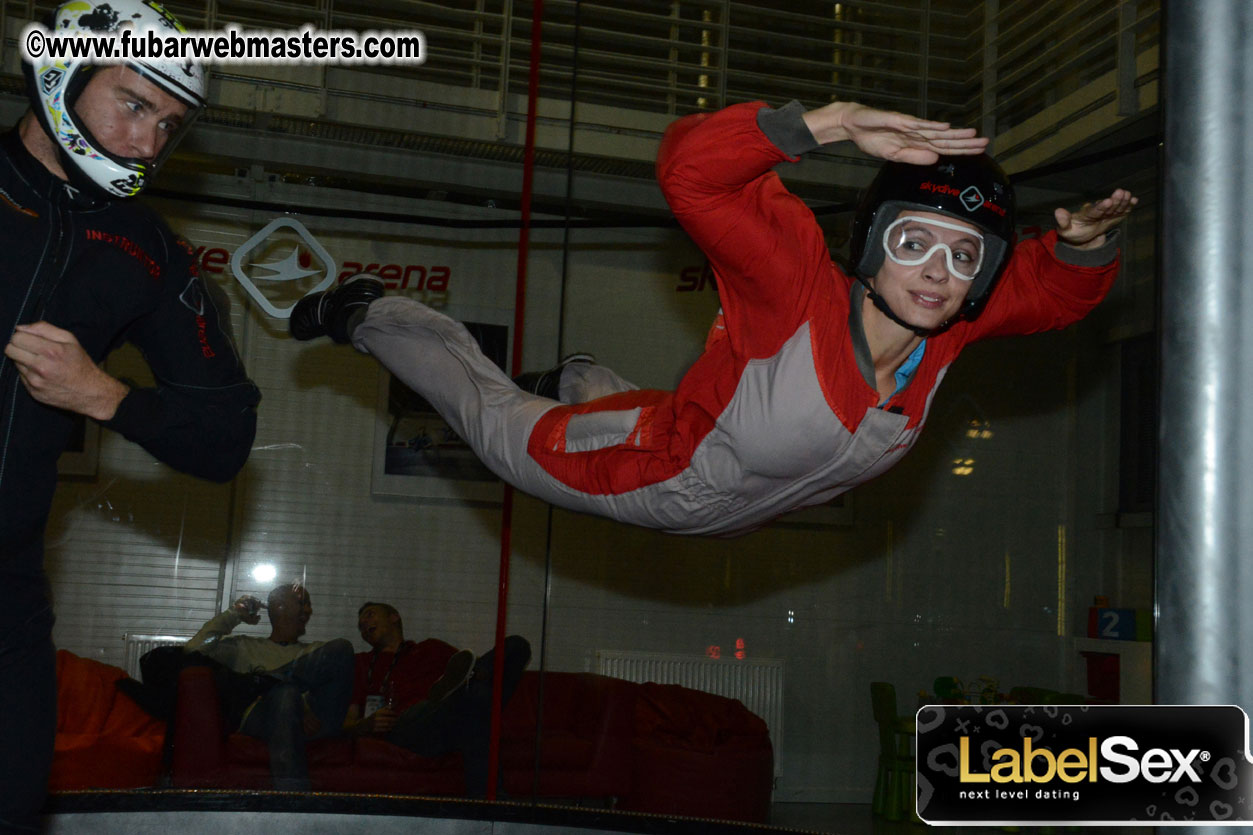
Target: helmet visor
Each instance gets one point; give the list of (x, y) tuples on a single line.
[(912, 240), (126, 124)]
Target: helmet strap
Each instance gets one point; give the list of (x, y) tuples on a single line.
[(882, 304)]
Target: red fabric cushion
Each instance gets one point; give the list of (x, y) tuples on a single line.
[(104, 739), (567, 703), (674, 716), (89, 761), (700, 755), (335, 750), (88, 701), (244, 749), (378, 753), (559, 750)]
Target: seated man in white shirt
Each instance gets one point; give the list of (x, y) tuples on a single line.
[(313, 681)]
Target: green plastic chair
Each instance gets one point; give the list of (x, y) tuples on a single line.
[(1066, 699), (1031, 695), (948, 689), (895, 790)]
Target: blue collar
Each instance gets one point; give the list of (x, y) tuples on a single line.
[(906, 372)]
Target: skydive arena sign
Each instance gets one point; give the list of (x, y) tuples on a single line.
[(1107, 764)]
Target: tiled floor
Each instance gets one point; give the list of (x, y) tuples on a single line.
[(844, 818), (228, 813), (855, 819), (210, 812)]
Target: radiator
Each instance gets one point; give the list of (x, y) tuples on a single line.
[(137, 645), (757, 682)]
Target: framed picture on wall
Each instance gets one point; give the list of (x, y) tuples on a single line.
[(416, 453), (81, 458)]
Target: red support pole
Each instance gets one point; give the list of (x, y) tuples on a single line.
[(519, 310)]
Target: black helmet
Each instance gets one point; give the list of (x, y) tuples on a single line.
[(973, 189)]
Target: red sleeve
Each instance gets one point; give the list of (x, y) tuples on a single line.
[(1039, 292), (766, 249)]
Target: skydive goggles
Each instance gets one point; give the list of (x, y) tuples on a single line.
[(913, 240)]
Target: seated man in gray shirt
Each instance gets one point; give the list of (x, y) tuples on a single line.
[(313, 680)]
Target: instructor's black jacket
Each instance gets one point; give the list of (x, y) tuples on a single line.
[(108, 271)]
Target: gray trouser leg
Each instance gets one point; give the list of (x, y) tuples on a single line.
[(439, 359)]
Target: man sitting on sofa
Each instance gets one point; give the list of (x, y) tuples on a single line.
[(426, 696), (312, 681)]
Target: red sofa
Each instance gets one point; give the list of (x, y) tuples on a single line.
[(104, 740), (662, 749), (699, 755), (585, 742), (585, 751)]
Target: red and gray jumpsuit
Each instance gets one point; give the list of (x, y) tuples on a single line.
[(780, 411)]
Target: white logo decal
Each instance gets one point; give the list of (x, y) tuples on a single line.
[(295, 266), (971, 198)]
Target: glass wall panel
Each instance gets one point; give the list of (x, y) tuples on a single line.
[(966, 572)]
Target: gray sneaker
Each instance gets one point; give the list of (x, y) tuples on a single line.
[(329, 313), (457, 672), (548, 383)]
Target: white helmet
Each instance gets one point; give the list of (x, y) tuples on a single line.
[(54, 85)]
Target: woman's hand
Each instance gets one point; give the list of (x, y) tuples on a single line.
[(1086, 228), (890, 135)]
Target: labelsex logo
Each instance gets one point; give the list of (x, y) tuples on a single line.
[(1040, 765)]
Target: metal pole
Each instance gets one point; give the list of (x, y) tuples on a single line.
[(1128, 97), (924, 60), (1204, 638), (987, 98), (506, 45)]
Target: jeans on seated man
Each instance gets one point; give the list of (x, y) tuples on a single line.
[(426, 696), (313, 680)]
